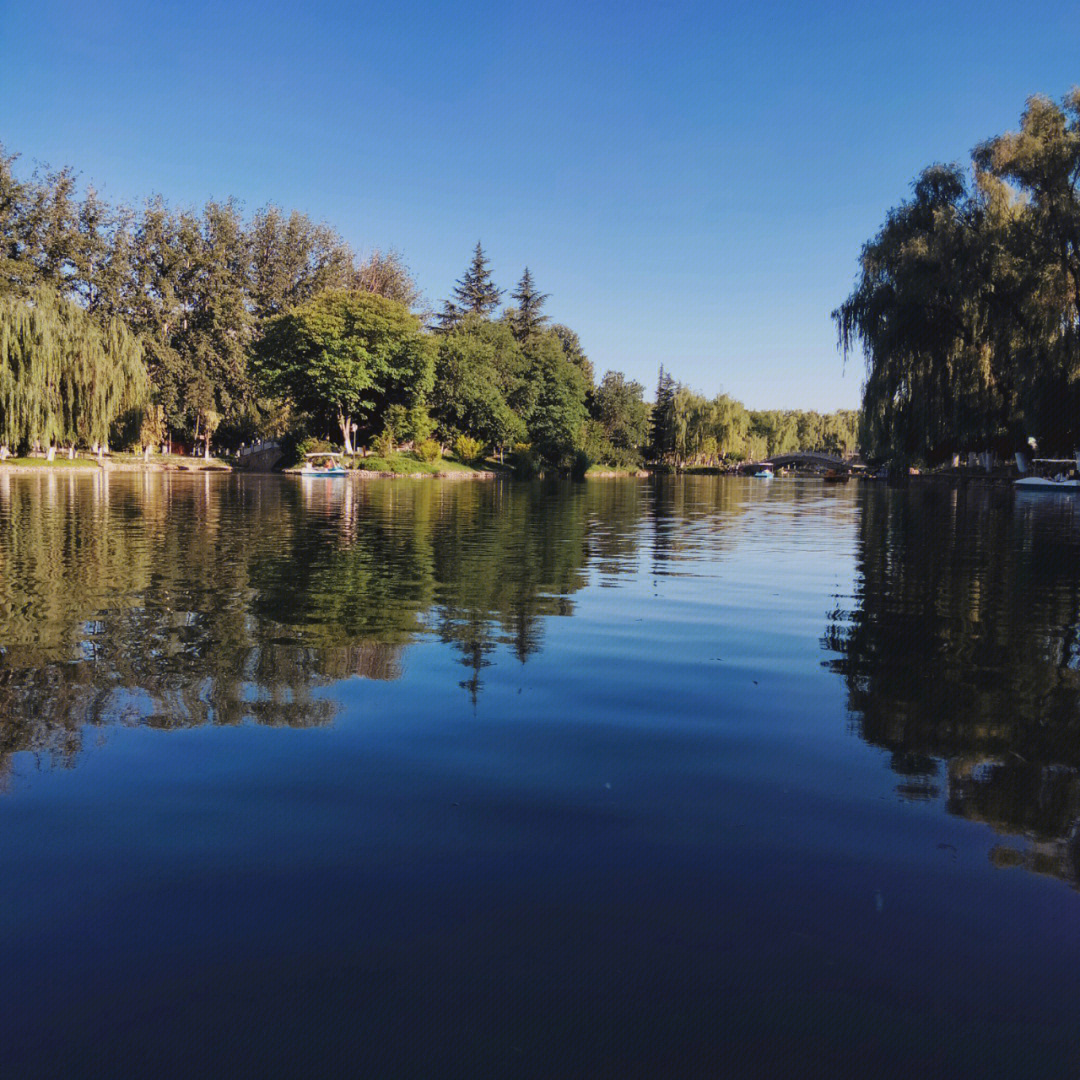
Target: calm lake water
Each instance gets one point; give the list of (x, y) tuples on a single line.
[(627, 778)]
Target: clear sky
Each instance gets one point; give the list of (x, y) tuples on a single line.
[(691, 182)]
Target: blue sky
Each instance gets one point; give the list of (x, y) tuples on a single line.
[(690, 182)]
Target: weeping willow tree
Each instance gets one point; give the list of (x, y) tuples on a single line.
[(921, 313), (967, 306), (1037, 274), (64, 378)]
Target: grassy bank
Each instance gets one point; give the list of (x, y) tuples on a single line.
[(64, 464), (122, 462), (408, 463), (604, 472)]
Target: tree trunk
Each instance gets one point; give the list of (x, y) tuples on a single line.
[(345, 422)]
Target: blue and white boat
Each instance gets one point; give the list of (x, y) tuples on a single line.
[(323, 465)]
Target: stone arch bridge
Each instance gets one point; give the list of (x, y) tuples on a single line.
[(810, 460), (260, 456)]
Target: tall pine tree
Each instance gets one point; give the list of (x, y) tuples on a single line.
[(526, 318), (474, 294), (663, 416)]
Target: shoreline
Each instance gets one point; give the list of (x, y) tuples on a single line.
[(91, 465), (384, 474), (84, 466)]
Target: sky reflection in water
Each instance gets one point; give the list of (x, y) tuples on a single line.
[(623, 778)]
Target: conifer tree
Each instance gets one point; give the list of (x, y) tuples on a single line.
[(526, 319), (475, 293), (663, 416)]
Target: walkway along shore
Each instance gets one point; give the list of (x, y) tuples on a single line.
[(63, 466)]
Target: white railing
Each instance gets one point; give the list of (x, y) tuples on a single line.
[(259, 447)]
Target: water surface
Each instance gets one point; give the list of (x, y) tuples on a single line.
[(676, 777)]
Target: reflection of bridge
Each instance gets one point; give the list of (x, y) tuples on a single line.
[(809, 460)]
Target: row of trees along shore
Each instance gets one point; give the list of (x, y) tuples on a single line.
[(131, 326), (967, 305)]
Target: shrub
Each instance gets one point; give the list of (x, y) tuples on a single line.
[(468, 449), (396, 419), (421, 426), (294, 452), (429, 451), (526, 461), (409, 425), (385, 444), (624, 457)]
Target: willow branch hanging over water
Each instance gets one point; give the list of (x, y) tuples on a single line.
[(64, 378), (967, 307)]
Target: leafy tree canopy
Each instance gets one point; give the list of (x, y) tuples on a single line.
[(350, 354), (63, 377), (967, 307)]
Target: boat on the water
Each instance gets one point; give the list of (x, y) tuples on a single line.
[(1046, 483), (764, 474), (836, 476), (323, 464), (1064, 477)]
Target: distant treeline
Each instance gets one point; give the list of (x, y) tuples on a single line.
[(690, 429), (132, 325), (968, 303)]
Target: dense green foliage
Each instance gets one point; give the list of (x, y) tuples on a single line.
[(690, 429), (621, 424), (468, 449), (64, 378), (205, 324), (350, 353), (196, 290), (968, 303)]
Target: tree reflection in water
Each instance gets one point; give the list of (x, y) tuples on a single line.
[(962, 659), (176, 601), (179, 601)]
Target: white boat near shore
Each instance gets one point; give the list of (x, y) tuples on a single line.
[(1046, 483), (1064, 478)]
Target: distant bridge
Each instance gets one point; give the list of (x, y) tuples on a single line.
[(809, 460)]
